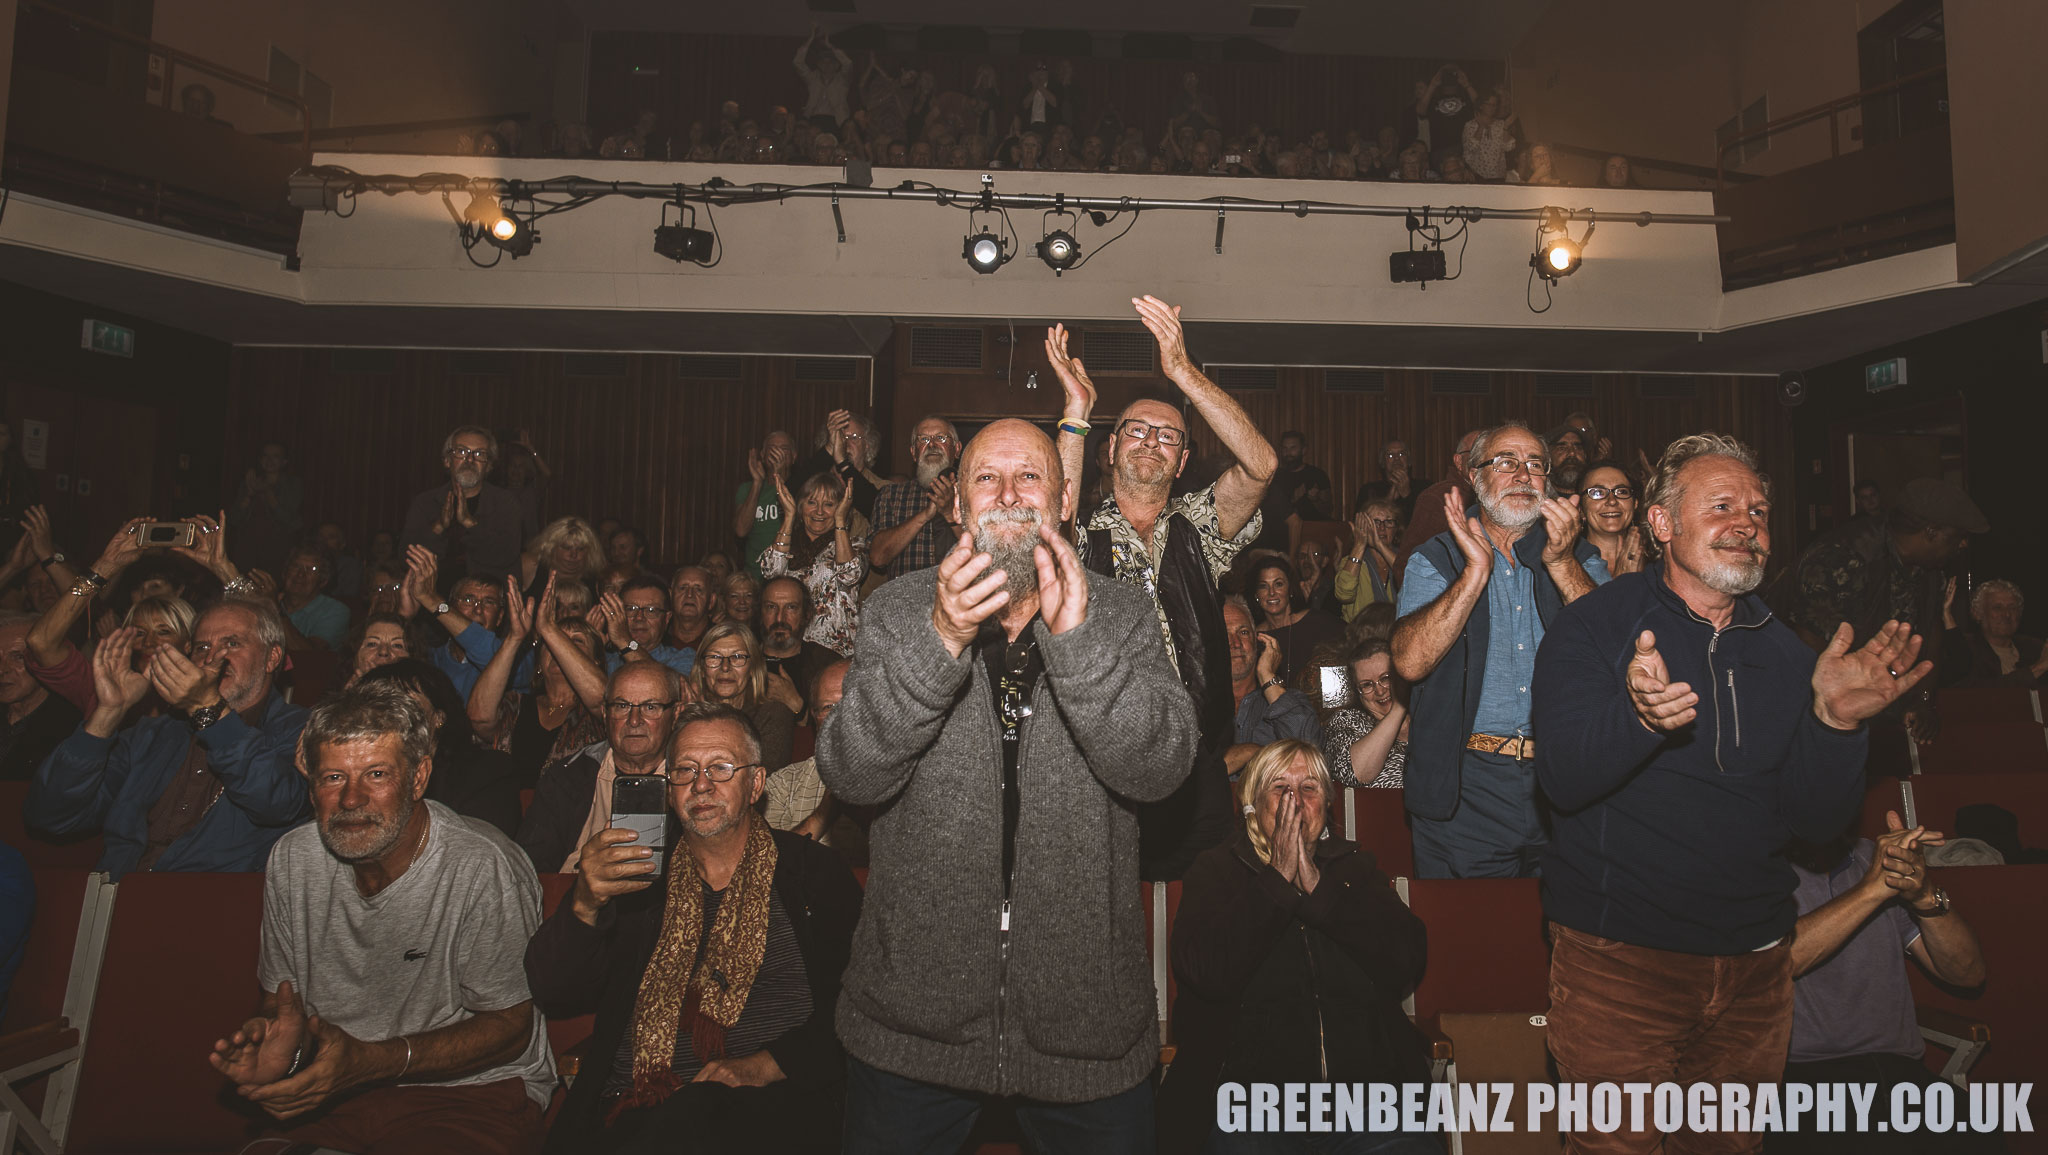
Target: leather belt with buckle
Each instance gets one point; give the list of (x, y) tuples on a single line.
[(1519, 748)]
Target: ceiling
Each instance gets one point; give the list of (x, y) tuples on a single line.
[(1446, 29), (248, 319)]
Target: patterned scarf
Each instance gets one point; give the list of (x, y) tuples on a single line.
[(705, 994)]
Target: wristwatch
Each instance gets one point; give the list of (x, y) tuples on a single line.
[(55, 557), (206, 716), (632, 646), (441, 609), (1271, 682), (1941, 905)]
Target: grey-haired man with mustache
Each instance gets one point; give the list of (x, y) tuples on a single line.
[(1474, 603), (1687, 737), (1005, 709), (1176, 549)]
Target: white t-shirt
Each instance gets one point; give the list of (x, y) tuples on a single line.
[(444, 943)]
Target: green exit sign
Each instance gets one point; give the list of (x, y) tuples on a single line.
[(1884, 375), (106, 337)]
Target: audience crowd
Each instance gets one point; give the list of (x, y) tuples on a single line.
[(1550, 652), (842, 108)]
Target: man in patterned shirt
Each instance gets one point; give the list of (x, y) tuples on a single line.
[(911, 517), (1176, 549)]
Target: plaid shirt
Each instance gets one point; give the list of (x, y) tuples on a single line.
[(901, 501)]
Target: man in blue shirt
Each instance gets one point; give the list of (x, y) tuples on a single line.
[(635, 624), (209, 785), (1474, 603), (1267, 710)]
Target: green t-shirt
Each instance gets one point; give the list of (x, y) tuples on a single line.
[(767, 523)]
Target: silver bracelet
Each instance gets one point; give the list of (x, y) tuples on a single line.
[(241, 585), (408, 1056)]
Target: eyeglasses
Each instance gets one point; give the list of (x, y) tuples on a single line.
[(463, 453), (941, 440), (1383, 522), (633, 611), (470, 600), (1510, 464), (390, 588), (717, 772), (725, 661), (1166, 435), (619, 708), (1603, 492), (1383, 683)]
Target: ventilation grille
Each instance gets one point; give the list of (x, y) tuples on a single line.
[(1668, 386), (1461, 383), (826, 369), (1246, 376), (594, 365), (1355, 380), (945, 347), (483, 362), (1564, 384), (1117, 351), (1274, 16), (705, 367), (363, 361)]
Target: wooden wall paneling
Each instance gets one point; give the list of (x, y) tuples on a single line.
[(652, 449)]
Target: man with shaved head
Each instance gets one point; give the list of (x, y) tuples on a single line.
[(997, 955), (1175, 549)]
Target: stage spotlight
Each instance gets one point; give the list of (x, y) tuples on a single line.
[(985, 252), (503, 229), (1559, 257), (682, 241), (1059, 251)]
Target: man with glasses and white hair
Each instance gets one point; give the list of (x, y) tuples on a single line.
[(1474, 603), (472, 526), (1688, 737), (912, 529), (573, 799), (1175, 549), (396, 1014), (207, 785)]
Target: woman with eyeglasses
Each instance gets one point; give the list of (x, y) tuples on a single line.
[(731, 671), (1366, 574), (1367, 745), (1607, 505), (819, 548)]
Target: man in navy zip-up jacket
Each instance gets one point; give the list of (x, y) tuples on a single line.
[(1687, 737)]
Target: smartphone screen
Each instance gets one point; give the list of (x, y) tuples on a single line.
[(1336, 686), (640, 804)]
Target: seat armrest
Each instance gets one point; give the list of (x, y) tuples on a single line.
[(1441, 1048), (1953, 1025), (569, 1060)]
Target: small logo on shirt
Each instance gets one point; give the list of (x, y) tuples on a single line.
[(415, 955)]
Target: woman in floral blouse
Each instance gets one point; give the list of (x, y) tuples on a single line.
[(1369, 746), (816, 548)]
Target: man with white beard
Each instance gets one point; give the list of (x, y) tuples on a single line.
[(1004, 711), (911, 517), (1176, 549), (475, 528), (1688, 737), (1474, 604)]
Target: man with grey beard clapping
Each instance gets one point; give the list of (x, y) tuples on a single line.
[(475, 528), (1474, 603)]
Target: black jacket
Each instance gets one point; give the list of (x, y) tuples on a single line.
[(575, 969), (561, 803), (1279, 986)]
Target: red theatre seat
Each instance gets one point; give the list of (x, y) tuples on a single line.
[(1986, 748), (1487, 950), (803, 743), (76, 853), (1378, 821), (1987, 704), (37, 995), (180, 972), (2003, 905), (564, 1034), (1937, 797)]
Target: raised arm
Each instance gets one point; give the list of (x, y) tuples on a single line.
[(1243, 485), (487, 697), (586, 676), (1078, 402), (1425, 635), (49, 642)]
